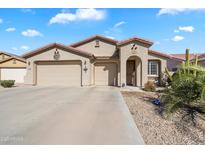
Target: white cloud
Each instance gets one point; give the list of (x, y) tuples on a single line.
[(80, 14), (119, 24), (24, 47), (31, 33), (177, 38), (1, 20), (186, 28), (176, 31), (176, 11), (115, 29), (10, 29), (111, 37)]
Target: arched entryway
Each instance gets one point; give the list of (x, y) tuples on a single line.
[(134, 71)]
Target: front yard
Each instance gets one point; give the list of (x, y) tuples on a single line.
[(155, 129)]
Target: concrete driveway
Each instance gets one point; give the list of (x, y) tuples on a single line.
[(65, 115)]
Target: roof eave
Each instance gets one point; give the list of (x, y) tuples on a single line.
[(55, 45), (159, 54), (112, 41)]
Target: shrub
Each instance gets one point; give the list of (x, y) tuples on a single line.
[(150, 86), (186, 91), (7, 83)]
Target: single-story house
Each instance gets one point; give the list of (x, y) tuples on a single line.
[(175, 60), (97, 60), (12, 67)]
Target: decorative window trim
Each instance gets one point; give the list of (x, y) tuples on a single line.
[(97, 43), (14, 61), (153, 68)]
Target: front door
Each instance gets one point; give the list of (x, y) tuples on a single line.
[(131, 72)]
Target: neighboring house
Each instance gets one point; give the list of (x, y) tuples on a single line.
[(176, 59), (96, 60), (12, 67)]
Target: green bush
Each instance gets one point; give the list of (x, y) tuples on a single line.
[(7, 83), (186, 90), (150, 86)]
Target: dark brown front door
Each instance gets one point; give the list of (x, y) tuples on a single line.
[(131, 72)]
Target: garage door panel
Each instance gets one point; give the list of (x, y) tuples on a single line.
[(16, 74), (59, 73), (106, 74)]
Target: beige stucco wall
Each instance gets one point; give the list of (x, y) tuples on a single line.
[(64, 55), (141, 52), (163, 65), (3, 55), (105, 49), (10, 64)]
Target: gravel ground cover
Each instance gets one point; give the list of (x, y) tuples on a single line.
[(156, 129)]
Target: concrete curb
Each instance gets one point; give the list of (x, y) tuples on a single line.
[(136, 136)]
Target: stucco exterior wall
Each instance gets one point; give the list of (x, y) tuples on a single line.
[(3, 56), (163, 65), (104, 49), (125, 53), (64, 55), (10, 64)]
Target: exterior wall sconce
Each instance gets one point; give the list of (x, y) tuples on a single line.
[(29, 63), (85, 68), (56, 55)]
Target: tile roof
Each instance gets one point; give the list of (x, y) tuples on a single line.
[(183, 56), (159, 54), (137, 39), (11, 56), (94, 38), (53, 45)]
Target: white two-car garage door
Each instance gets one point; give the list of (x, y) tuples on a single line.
[(59, 73), (16, 74), (106, 74)]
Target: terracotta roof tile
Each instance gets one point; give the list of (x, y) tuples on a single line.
[(53, 45), (12, 56), (137, 39), (159, 54), (93, 38), (183, 56)]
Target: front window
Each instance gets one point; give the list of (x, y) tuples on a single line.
[(153, 68)]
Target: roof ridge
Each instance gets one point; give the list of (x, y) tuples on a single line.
[(140, 39), (57, 45), (83, 41)]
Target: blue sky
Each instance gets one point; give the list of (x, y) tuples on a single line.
[(172, 30)]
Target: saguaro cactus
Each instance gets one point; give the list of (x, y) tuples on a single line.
[(187, 62)]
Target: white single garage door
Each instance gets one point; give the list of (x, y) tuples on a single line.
[(16, 74), (106, 74), (59, 73)]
